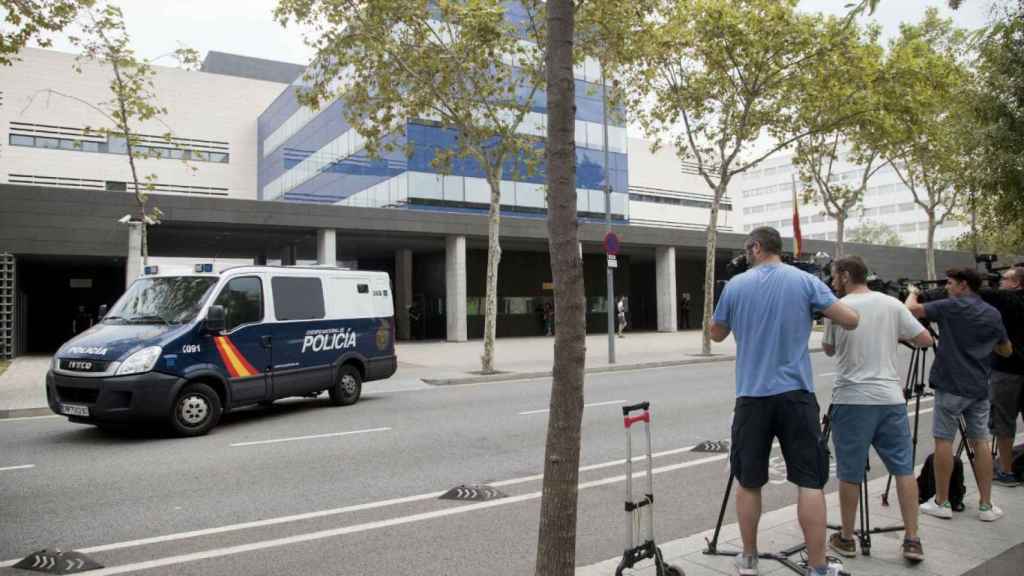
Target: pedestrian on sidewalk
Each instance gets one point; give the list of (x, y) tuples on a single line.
[(1007, 380), (620, 309), (969, 331), (868, 407), (769, 310)]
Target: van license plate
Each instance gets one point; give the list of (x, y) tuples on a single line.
[(72, 410)]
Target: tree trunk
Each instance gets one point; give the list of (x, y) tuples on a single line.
[(493, 260), (929, 254), (709, 270), (556, 541), (840, 236)]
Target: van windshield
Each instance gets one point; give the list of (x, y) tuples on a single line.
[(162, 300)]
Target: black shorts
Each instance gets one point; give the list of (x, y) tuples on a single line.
[(791, 417)]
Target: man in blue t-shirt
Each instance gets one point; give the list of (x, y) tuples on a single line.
[(969, 331), (769, 311)]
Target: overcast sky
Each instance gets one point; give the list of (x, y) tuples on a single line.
[(247, 26)]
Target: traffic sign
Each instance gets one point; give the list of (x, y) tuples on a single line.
[(613, 262), (611, 244)]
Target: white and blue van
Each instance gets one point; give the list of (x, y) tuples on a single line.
[(185, 348)]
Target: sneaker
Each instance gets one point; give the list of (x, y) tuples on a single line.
[(912, 550), (932, 508), (989, 512), (834, 568), (842, 546), (1005, 479), (746, 565)]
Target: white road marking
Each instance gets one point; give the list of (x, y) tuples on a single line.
[(334, 511), (22, 418), (591, 405), (334, 532), (22, 467), (296, 438)]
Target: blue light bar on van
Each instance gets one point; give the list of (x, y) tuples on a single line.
[(204, 268), (150, 270)]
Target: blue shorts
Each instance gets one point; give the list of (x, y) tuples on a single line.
[(948, 410), (857, 427)]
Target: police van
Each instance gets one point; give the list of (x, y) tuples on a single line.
[(185, 348)]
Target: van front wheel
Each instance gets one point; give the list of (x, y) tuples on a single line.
[(349, 386), (196, 410)]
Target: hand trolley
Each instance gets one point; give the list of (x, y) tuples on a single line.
[(638, 548)]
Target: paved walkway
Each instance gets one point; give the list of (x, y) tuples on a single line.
[(963, 545)]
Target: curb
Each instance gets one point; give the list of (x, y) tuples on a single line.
[(25, 413), (511, 376)]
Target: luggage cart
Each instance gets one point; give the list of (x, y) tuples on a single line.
[(638, 548)]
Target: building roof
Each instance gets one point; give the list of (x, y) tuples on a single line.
[(249, 67)]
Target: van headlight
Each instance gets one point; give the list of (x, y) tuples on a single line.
[(141, 361)]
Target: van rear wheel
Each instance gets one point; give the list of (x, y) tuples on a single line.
[(349, 386), (196, 410)]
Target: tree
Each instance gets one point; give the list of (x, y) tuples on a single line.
[(928, 127), (462, 65), (728, 73), (843, 81), (556, 541), (31, 20), (875, 233), (997, 105)]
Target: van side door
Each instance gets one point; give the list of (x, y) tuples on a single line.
[(302, 343), (244, 347)]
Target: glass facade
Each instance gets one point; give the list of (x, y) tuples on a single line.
[(315, 156)]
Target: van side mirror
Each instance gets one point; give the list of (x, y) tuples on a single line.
[(102, 312), (215, 321)]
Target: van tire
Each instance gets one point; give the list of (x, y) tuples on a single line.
[(349, 386), (195, 411)]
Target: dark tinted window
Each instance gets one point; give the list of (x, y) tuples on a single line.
[(297, 298), (242, 300), (363, 288)]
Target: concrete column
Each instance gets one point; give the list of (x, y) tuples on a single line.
[(326, 247), (133, 264), (665, 273), (455, 287), (261, 258), (403, 291), (288, 255)]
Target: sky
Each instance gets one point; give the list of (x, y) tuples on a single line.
[(247, 27)]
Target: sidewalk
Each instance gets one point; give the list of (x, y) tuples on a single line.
[(22, 391), (963, 545), (459, 362)]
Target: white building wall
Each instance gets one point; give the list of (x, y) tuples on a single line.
[(208, 107), (765, 197), (664, 191)]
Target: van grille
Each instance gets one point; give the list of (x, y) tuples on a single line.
[(73, 365), (77, 395)]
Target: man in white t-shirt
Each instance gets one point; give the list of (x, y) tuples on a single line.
[(868, 407)]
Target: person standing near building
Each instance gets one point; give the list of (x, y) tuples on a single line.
[(620, 311), (969, 331), (768, 309), (868, 407), (1007, 380)]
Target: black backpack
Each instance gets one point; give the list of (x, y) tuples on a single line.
[(926, 483)]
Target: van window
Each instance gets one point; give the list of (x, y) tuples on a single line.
[(297, 298), (363, 288), (242, 300)]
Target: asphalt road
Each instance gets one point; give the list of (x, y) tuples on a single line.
[(306, 488)]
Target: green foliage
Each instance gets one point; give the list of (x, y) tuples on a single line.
[(875, 233), (458, 64), (27, 20)]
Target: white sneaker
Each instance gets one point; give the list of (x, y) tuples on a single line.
[(989, 512), (944, 510), (835, 568), (746, 565)]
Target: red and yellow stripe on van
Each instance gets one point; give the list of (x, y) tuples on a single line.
[(237, 365)]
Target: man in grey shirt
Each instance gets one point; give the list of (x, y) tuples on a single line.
[(868, 407)]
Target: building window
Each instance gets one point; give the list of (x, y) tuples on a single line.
[(117, 145), (17, 140), (117, 186)]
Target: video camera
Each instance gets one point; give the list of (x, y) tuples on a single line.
[(900, 288)]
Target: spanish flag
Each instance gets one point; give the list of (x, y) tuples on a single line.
[(798, 241), (236, 364)]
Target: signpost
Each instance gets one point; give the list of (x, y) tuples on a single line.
[(611, 241)]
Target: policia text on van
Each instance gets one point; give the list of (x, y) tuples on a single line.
[(184, 348)]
